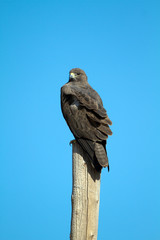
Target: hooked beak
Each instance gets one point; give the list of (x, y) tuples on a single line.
[(71, 75)]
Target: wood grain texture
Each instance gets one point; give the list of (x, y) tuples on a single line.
[(85, 196)]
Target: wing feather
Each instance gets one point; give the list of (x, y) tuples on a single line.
[(89, 99), (83, 120)]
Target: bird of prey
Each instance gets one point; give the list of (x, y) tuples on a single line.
[(86, 117)]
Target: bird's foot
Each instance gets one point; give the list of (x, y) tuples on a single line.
[(72, 142)]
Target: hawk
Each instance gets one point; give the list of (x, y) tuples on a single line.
[(86, 117)]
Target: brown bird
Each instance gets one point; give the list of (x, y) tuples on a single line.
[(86, 117)]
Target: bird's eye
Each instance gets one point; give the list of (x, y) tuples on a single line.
[(78, 73)]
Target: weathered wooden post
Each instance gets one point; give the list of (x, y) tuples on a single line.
[(85, 196)]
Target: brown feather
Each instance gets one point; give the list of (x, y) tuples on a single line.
[(86, 117)]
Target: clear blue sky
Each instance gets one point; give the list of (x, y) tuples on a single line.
[(117, 43)]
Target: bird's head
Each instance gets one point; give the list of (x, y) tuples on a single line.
[(77, 75)]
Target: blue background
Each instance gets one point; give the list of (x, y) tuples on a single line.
[(117, 43)]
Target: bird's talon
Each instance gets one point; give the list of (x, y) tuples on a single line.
[(72, 142)]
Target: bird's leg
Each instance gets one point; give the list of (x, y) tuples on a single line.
[(72, 142)]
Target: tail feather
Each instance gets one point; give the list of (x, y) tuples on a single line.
[(101, 154), (89, 147), (96, 152)]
